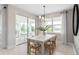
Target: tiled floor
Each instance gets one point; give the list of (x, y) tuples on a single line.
[(61, 49)]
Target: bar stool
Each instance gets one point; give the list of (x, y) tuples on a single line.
[(35, 48)]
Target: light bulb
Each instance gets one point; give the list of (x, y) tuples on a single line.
[(40, 17)]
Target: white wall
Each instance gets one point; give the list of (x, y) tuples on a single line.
[(69, 26), (76, 43), (4, 28), (8, 26), (11, 27)]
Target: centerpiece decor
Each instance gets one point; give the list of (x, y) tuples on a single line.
[(43, 28)]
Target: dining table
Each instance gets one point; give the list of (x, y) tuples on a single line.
[(41, 39)]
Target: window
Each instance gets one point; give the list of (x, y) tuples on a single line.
[(55, 24), (21, 29), (25, 27), (49, 23), (31, 27)]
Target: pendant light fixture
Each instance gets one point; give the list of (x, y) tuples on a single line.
[(43, 16)]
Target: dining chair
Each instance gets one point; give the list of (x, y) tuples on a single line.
[(54, 42), (50, 45), (35, 48)]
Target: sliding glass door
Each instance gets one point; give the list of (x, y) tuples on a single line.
[(31, 27), (21, 29), (25, 27)]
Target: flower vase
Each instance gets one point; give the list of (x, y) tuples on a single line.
[(43, 32)]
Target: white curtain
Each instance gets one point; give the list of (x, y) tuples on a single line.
[(0, 28), (63, 34), (67, 27)]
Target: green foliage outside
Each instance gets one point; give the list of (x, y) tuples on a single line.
[(49, 29), (23, 28), (33, 29)]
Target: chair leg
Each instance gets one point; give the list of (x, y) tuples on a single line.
[(50, 52), (35, 52)]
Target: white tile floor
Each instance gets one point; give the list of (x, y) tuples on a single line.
[(61, 49)]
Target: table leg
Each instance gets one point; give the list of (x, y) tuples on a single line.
[(42, 45), (27, 46)]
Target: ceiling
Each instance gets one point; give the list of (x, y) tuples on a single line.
[(37, 9)]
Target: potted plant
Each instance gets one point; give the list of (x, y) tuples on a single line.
[(43, 28)]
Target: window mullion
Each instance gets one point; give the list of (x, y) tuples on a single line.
[(52, 25)]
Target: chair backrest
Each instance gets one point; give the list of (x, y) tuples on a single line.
[(54, 38), (36, 44)]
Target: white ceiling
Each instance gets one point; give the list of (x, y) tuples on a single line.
[(37, 9)]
